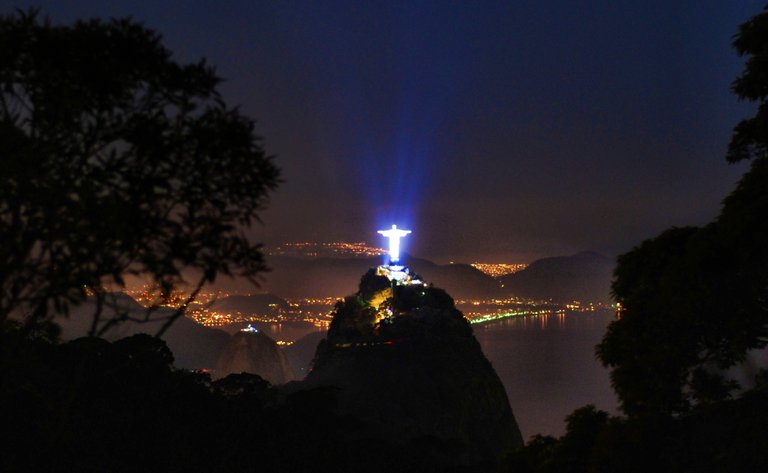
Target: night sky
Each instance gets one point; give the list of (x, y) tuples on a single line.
[(498, 131)]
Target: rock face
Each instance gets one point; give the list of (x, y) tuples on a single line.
[(302, 351), (255, 353), (406, 361)]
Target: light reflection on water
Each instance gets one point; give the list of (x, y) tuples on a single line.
[(278, 331), (548, 366), (291, 331)]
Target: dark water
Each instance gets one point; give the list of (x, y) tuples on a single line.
[(548, 366), (282, 331)]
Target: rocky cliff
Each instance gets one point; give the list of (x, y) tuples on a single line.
[(406, 361), (254, 352)]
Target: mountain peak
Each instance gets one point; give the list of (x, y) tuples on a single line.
[(406, 361), (584, 276)]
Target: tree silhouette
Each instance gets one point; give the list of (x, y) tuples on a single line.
[(750, 136), (117, 161), (696, 299)]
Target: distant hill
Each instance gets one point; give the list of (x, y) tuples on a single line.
[(193, 345), (333, 277), (584, 277), (462, 281)]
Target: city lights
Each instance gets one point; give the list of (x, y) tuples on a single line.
[(328, 249), (499, 269)]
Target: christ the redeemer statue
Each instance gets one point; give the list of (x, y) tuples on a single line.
[(394, 234)]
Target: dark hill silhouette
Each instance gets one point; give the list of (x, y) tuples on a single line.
[(417, 374), (459, 280), (584, 277), (302, 351), (333, 277), (194, 346), (254, 353)]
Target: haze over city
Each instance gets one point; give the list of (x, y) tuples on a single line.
[(498, 131), (411, 236)]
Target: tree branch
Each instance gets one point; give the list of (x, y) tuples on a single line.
[(183, 308)]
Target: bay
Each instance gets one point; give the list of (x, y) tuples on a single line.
[(548, 366)]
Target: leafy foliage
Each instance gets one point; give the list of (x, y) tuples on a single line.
[(723, 436), (750, 136), (117, 161), (696, 303), (570, 453), (92, 405), (696, 299), (371, 283)]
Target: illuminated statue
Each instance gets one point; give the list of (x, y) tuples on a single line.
[(394, 234)]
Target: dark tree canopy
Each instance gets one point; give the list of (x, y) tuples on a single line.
[(116, 161), (686, 319), (750, 137), (696, 299), (695, 304)]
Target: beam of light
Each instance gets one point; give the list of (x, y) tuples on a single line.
[(394, 234)]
